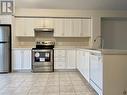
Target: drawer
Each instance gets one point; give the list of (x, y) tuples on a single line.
[(59, 53), (59, 59), (59, 65)]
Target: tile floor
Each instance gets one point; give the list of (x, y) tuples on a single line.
[(56, 83)]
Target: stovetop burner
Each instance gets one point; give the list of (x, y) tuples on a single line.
[(44, 45)]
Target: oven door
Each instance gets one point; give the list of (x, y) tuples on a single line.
[(42, 57)]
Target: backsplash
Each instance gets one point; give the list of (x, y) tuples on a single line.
[(72, 42), (30, 42)]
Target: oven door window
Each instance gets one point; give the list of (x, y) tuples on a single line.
[(42, 56)]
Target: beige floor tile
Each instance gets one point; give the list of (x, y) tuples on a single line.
[(65, 82), (67, 93), (56, 83), (66, 88), (51, 93), (36, 90), (39, 83), (81, 89), (78, 83), (51, 89), (83, 93)]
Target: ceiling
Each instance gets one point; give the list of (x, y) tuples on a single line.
[(73, 4)]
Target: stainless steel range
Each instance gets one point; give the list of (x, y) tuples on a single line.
[(42, 57)]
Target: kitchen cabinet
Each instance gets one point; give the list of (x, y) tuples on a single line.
[(59, 59), (68, 27), (70, 59), (43, 23), (5, 19), (26, 63), (96, 72), (86, 28), (77, 27), (21, 59), (78, 59), (16, 59), (58, 27), (83, 63), (24, 27), (64, 59), (85, 67), (104, 70)]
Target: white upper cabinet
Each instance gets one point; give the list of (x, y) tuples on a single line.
[(48, 22), (68, 27), (86, 28), (43, 22), (24, 27), (58, 27), (77, 25), (63, 27), (29, 27)]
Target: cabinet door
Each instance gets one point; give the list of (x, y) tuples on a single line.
[(59, 65), (48, 22), (96, 70), (70, 59), (86, 65), (26, 63), (58, 27), (68, 28), (77, 59), (38, 22), (86, 28), (29, 27), (59, 53), (25, 27), (16, 59), (76, 27), (19, 26), (59, 59)]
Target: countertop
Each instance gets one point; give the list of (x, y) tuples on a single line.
[(102, 51), (21, 48)]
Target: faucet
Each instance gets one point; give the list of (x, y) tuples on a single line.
[(100, 41)]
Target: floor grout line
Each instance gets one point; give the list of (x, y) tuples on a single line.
[(62, 79)]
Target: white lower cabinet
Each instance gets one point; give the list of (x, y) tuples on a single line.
[(59, 59), (26, 64), (96, 72), (64, 59), (21, 59), (70, 59), (16, 59), (85, 67), (83, 63)]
